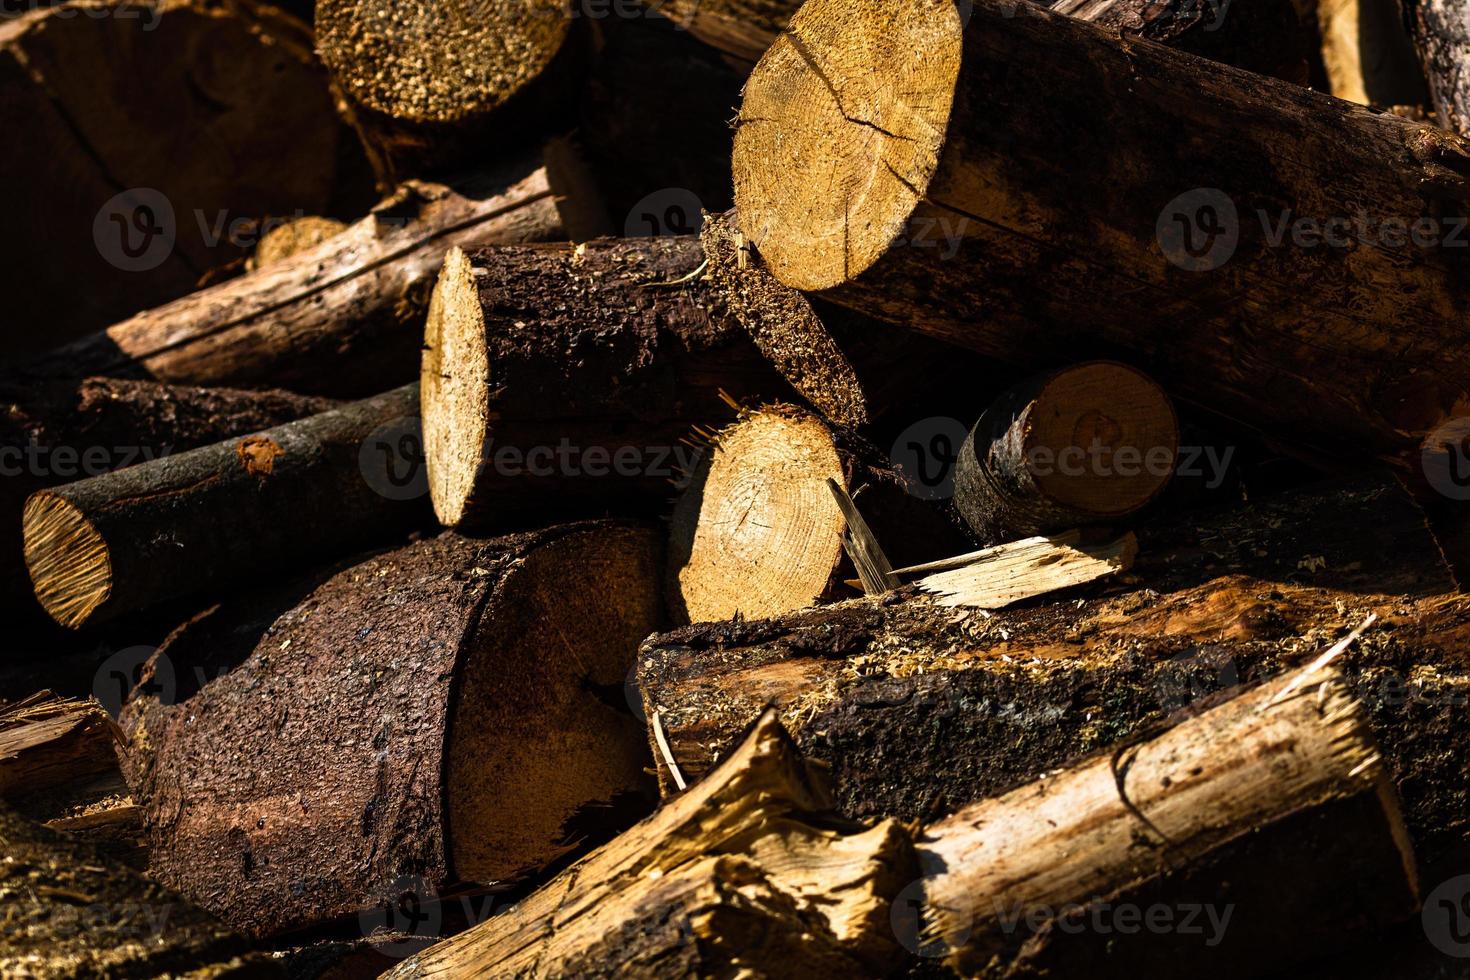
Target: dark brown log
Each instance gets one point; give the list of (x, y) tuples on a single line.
[(233, 127), (1261, 37), (192, 522), (1088, 444), (433, 716), (920, 709), (72, 915), (1367, 54), (1440, 31), (1291, 335), (55, 433), (344, 318), (758, 533), (574, 375), (433, 88), (1272, 813), (747, 874)]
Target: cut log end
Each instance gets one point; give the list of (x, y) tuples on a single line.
[(67, 557), (528, 746), (436, 63), (454, 385), (870, 98), (759, 532)]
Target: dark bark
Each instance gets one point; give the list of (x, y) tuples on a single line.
[(391, 732), (1440, 30), (196, 521)]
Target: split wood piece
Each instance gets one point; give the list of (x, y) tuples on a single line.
[(573, 376), (1243, 808), (55, 432), (1010, 573), (1088, 444), (1266, 38), (1308, 361), (195, 521), (285, 240), (757, 532), (345, 317), (432, 87), (1368, 55), (747, 873), (919, 708), (1441, 35), (236, 122), (429, 717), (70, 913)]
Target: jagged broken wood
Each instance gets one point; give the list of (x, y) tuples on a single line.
[(426, 719), (996, 577)]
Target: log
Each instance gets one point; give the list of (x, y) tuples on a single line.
[(590, 408), (920, 709), (746, 874), (70, 913), (343, 318), (1042, 258), (758, 533), (56, 432), (150, 161), (1368, 55), (1088, 444), (1262, 37), (1441, 35), (435, 714), (127, 540), (432, 88), (1273, 812)]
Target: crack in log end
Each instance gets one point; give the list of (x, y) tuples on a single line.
[(257, 454)]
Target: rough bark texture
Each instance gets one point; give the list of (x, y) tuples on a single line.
[(1440, 30), (433, 88), (1164, 245), (234, 122), (53, 433), (1264, 37), (346, 317), (748, 874), (920, 709), (628, 352), (328, 772), (71, 915), (318, 486), (1367, 54), (1273, 811)]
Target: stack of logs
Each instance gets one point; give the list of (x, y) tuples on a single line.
[(993, 509)]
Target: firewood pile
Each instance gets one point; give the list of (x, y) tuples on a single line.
[(715, 488)]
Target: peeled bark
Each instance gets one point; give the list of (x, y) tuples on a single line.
[(1440, 30), (1264, 37), (1088, 444), (432, 88), (746, 874), (319, 486), (575, 375), (429, 718), (345, 317), (236, 122), (71, 915), (920, 709), (1353, 349)]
